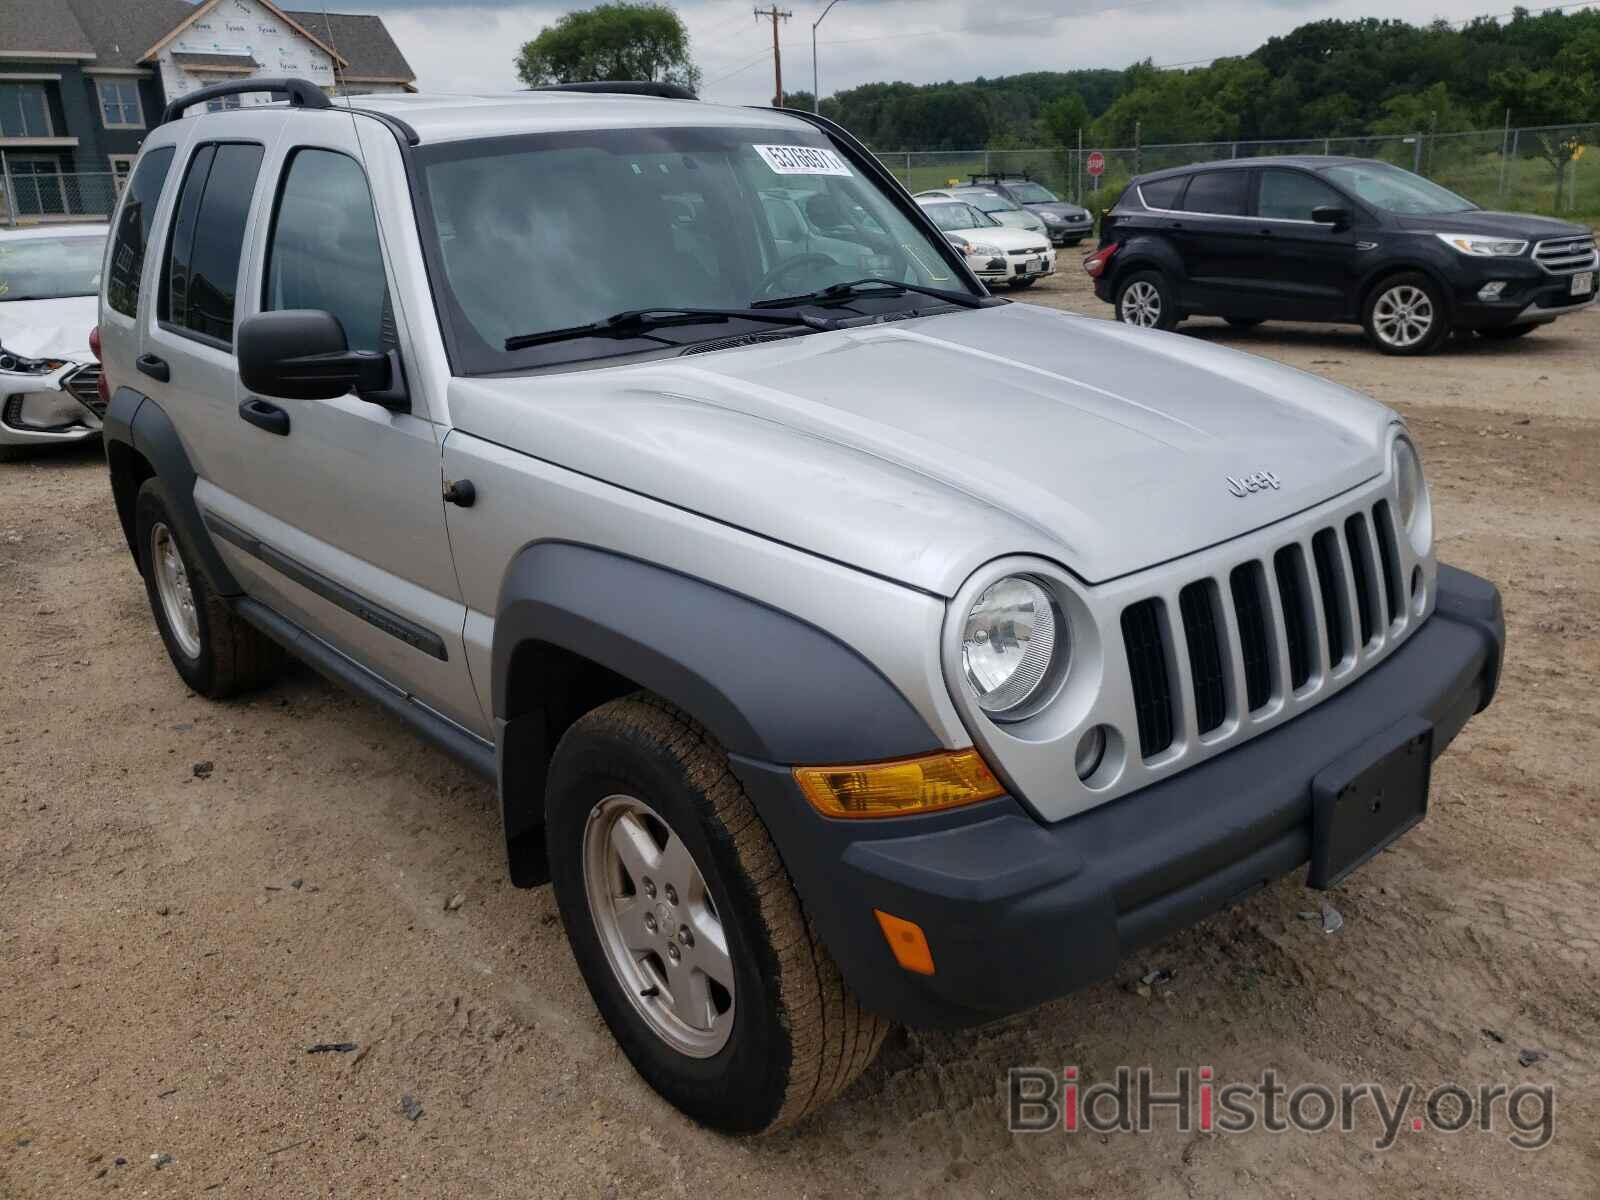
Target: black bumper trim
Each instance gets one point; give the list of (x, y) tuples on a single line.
[(1018, 913)]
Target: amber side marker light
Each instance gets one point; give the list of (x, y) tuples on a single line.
[(901, 788), (906, 939)]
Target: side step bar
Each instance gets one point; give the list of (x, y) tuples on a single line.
[(473, 751)]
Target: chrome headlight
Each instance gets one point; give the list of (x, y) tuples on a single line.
[(1015, 643), (984, 250), (17, 364), (1411, 495), (1482, 247)]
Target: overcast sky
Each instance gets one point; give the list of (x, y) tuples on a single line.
[(468, 45)]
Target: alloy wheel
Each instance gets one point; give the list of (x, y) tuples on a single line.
[(172, 585), (658, 925), (1141, 304), (1403, 316)]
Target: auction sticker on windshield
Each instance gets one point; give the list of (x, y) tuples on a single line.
[(803, 160)]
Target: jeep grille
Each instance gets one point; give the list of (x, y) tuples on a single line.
[(1220, 655)]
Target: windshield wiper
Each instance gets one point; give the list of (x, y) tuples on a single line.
[(637, 321), (874, 285)]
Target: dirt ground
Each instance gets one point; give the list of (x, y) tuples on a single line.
[(171, 945)]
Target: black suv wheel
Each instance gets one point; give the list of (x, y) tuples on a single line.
[(1146, 299), (1405, 314)]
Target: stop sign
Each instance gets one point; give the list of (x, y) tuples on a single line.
[(1096, 164)]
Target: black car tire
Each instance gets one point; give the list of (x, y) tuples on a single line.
[(1146, 299), (215, 651), (1072, 241), (1019, 284), (1504, 333), (1405, 315), (1244, 322), (796, 1037)]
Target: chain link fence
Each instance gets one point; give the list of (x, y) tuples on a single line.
[(31, 194), (1553, 170)]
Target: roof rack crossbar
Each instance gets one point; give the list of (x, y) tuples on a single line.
[(623, 87), (300, 93)]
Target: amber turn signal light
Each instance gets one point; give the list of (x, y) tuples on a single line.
[(900, 788), (907, 941)]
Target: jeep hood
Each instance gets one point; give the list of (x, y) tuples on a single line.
[(920, 449), (49, 328)]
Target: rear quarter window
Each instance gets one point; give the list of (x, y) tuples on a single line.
[(133, 231), (1163, 193)]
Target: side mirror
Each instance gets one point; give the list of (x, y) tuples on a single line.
[(1330, 214), (302, 354)]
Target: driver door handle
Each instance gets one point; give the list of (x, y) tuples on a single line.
[(264, 415)]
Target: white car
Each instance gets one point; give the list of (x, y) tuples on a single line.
[(49, 376), (992, 204), (995, 252)]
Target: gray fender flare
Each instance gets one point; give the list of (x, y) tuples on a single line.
[(766, 684), (135, 420)]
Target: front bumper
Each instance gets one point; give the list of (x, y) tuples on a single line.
[(1531, 296), (1064, 235), (1018, 913), (44, 410)]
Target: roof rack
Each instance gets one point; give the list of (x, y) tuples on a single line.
[(1001, 176), (623, 87), (300, 93)]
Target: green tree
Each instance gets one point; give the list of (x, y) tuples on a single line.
[(1543, 97), (617, 41), (1063, 118)]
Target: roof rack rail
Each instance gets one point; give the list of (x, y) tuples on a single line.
[(300, 93), (1001, 176), (623, 87)]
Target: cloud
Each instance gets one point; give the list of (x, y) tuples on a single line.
[(468, 45)]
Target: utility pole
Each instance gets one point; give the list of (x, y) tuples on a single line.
[(816, 85), (777, 55)]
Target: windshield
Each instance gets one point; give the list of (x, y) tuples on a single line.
[(1032, 193), (952, 216), (990, 202), (549, 231), (50, 268), (1398, 191)]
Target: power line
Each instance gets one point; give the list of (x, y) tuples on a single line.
[(760, 58)]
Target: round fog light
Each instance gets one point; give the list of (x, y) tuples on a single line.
[(1091, 750)]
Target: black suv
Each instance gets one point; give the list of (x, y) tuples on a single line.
[(1067, 224), (1335, 239)]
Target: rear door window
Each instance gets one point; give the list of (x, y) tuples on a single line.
[(1220, 192), (133, 231), (1163, 193), (1291, 195), (201, 278)]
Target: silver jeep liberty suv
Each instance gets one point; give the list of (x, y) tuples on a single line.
[(848, 646)]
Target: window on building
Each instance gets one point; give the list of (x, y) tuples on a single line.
[(119, 103), (121, 165), (24, 110), (133, 231), (324, 251), (201, 276), (222, 103), (38, 186)]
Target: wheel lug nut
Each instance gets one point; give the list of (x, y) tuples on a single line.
[(686, 936), (650, 888), (673, 952), (672, 894), (650, 922)]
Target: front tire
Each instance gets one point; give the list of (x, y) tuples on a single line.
[(687, 928), (217, 654), (1405, 315), (1146, 300), (1018, 284)]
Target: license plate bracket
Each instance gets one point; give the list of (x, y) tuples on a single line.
[(1583, 284), (1364, 800)]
